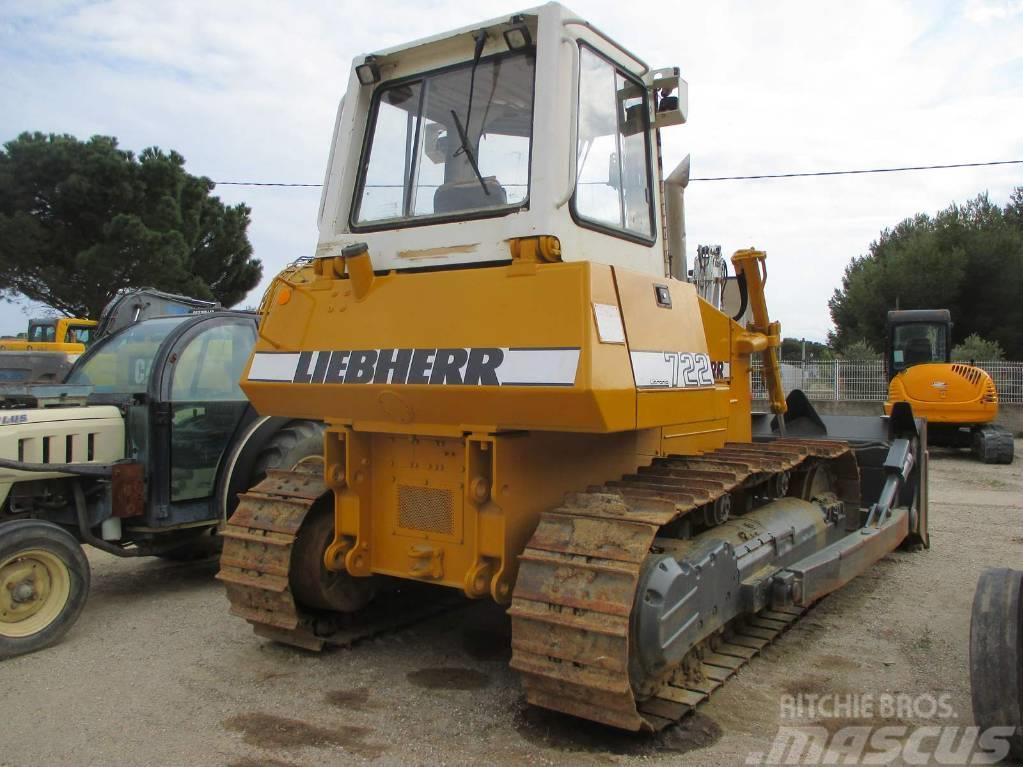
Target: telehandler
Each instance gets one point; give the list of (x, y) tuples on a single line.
[(142, 452), (524, 399), (959, 401)]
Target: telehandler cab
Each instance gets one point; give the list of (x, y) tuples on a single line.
[(142, 452), (526, 401)]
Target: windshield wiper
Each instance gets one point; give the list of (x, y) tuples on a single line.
[(463, 137), (480, 37)]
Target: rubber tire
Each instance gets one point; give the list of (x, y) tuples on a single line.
[(996, 653), (292, 442), (25, 534)]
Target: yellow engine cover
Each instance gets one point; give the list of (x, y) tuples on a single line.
[(945, 393), (571, 347)]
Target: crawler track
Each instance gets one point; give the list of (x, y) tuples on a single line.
[(256, 563), (578, 577), (993, 444)]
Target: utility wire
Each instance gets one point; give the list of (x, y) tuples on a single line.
[(732, 178), (864, 170)]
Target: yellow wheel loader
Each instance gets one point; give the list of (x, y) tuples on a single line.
[(960, 402), (524, 399)]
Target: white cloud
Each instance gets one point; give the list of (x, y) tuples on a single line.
[(986, 11), (248, 91)]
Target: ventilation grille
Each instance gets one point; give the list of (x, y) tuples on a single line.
[(990, 392), (971, 374), (425, 508)]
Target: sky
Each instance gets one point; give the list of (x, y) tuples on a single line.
[(247, 91)]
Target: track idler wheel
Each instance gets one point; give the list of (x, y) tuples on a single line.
[(996, 653), (315, 586)]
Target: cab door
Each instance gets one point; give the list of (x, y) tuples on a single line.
[(204, 406)]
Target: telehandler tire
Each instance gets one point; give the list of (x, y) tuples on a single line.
[(44, 582), (294, 442), (996, 653)]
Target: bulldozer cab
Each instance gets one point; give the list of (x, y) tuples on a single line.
[(917, 337), (176, 378), (450, 150)]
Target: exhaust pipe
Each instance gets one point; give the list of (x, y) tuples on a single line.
[(674, 198)]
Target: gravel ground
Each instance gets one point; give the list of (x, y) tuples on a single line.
[(157, 673)]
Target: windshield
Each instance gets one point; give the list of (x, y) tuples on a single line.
[(44, 331), (80, 335), (121, 364), (919, 343), (435, 151)]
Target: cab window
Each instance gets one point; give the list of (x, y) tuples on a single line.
[(919, 343), (452, 143), (613, 153), (206, 405), (79, 336), (121, 363), (42, 332)]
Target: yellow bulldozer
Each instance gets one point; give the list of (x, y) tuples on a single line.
[(959, 401), (524, 399)]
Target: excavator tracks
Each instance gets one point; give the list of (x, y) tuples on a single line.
[(573, 600), (256, 569)]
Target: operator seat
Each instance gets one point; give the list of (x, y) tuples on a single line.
[(469, 195), (918, 351)]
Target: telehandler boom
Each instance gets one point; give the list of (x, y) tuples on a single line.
[(525, 400)]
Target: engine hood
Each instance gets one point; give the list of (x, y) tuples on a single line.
[(945, 383)]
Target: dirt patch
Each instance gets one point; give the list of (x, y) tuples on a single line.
[(273, 732), (448, 679), (809, 684), (835, 723), (837, 663), (262, 762), (561, 732), (353, 700)]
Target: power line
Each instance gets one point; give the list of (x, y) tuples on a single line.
[(260, 183), (858, 171), (863, 170)]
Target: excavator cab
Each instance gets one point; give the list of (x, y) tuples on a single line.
[(959, 401), (917, 337)]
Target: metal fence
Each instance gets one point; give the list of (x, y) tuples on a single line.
[(865, 381)]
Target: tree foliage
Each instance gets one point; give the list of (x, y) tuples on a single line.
[(967, 258), (81, 220), (977, 349), (859, 351), (792, 349)]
